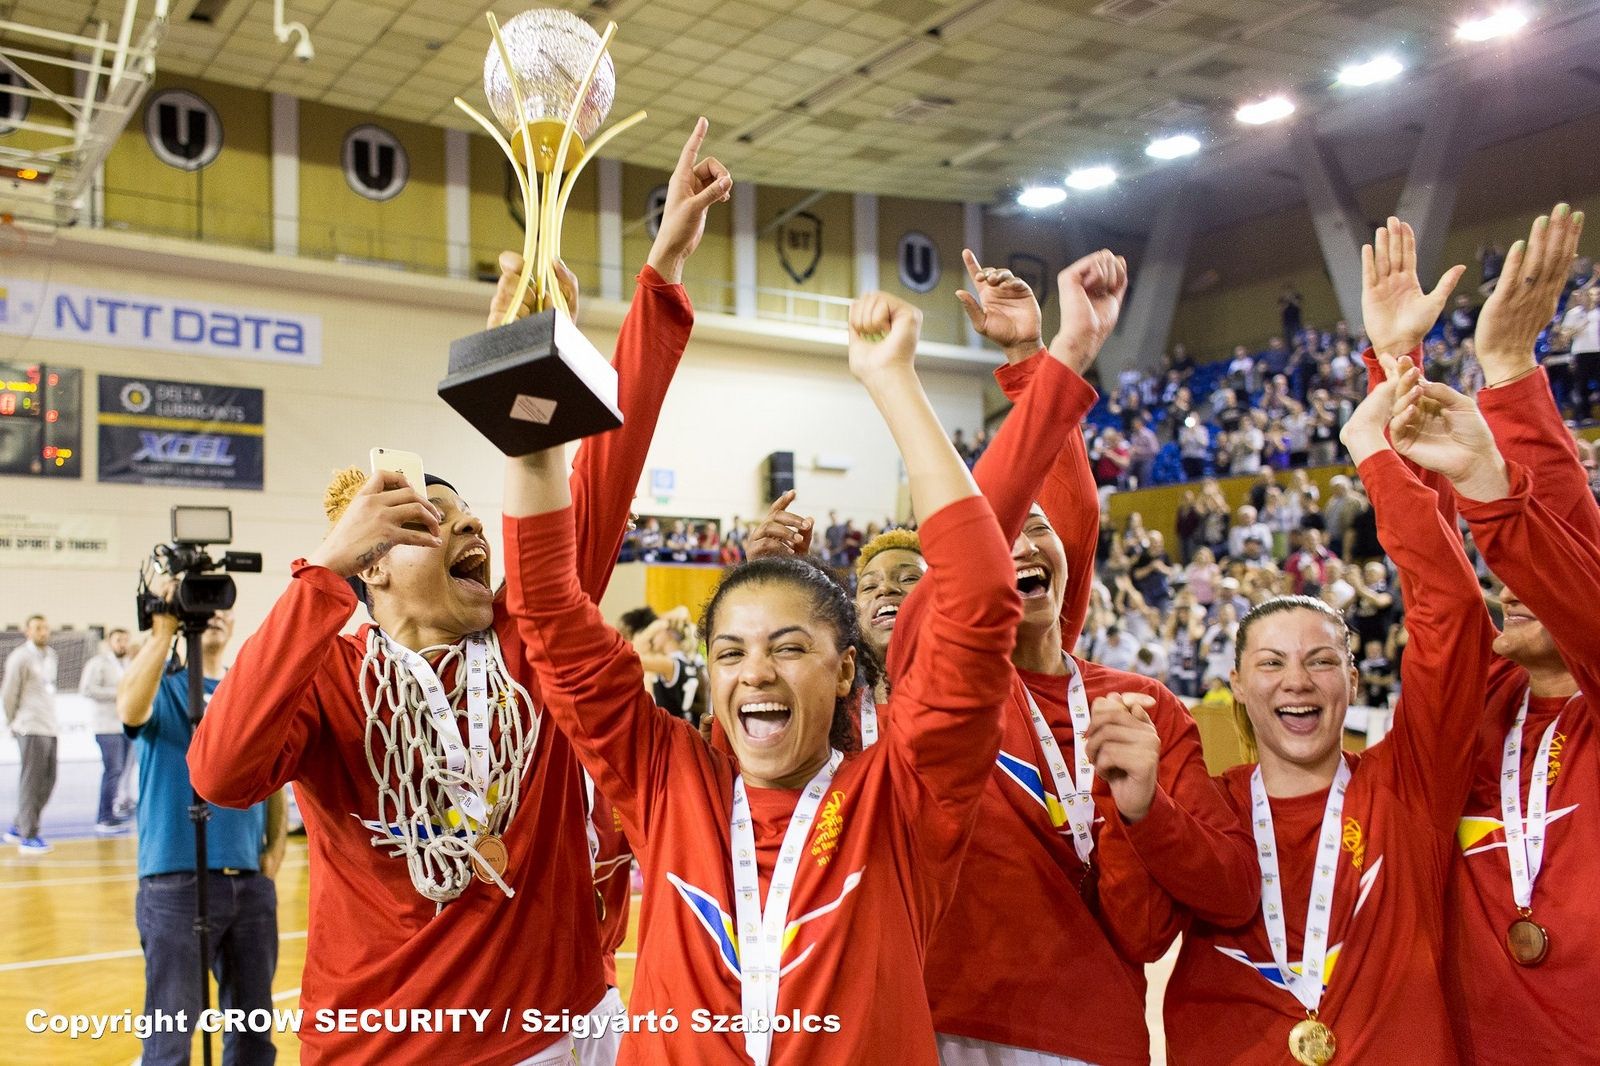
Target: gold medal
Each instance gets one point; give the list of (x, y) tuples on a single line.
[(491, 856), (599, 905), (1527, 940), (1311, 1042)]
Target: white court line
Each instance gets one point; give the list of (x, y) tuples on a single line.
[(288, 993), (44, 863), (104, 956)]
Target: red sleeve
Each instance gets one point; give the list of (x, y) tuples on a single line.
[(951, 674), (1069, 497), (1190, 855), (1443, 492), (1550, 566), (590, 677), (606, 469), (1444, 675), (1528, 428), (268, 710)]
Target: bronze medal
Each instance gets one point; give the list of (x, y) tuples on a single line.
[(1311, 1043), (599, 905), (491, 856), (1527, 942)]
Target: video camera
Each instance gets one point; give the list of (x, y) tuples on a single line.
[(200, 593)]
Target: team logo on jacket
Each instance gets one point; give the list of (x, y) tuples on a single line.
[(1482, 833), (830, 823), (1270, 970), (1026, 776), (1354, 842), (721, 928)]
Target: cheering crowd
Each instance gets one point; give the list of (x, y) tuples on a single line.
[(918, 827)]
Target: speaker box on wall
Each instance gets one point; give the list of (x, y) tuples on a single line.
[(780, 474)]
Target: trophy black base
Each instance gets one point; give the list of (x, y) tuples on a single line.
[(533, 384)]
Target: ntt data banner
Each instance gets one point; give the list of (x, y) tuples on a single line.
[(155, 432), (124, 320)]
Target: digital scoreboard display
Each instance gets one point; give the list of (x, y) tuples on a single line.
[(41, 420)]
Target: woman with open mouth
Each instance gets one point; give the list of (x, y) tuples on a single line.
[(790, 890), (1344, 956)]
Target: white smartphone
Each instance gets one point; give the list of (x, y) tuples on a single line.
[(407, 464)]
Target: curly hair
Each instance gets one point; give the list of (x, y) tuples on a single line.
[(830, 604), (889, 540)]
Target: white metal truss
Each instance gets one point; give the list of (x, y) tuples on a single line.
[(48, 182)]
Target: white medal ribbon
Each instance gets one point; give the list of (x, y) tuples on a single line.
[(592, 830), (869, 719), (1525, 843), (1307, 984), (761, 928), (1073, 794), (468, 793)]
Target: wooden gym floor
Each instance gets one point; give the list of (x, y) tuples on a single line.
[(71, 948)]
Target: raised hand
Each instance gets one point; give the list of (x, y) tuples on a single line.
[(883, 334), (380, 517), (1441, 430), (1005, 310), (1524, 301), (695, 185), (1396, 312), (781, 532), (1365, 433), (510, 270), (1091, 299), (1125, 748)]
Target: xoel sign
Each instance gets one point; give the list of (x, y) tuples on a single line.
[(156, 432), (123, 320)]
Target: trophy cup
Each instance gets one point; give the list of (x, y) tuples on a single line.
[(536, 382)]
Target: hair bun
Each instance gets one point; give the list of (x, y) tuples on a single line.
[(341, 490)]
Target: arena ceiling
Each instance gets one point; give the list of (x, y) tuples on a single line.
[(949, 99)]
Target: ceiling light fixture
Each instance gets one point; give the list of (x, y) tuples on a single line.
[(1037, 197), (1085, 178), (1262, 112), (1374, 70), (1174, 147), (1501, 23)]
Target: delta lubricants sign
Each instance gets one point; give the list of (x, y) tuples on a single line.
[(121, 320), (187, 433)]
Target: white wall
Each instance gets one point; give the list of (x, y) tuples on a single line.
[(744, 390)]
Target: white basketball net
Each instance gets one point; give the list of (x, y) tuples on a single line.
[(416, 816)]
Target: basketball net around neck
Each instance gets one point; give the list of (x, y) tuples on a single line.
[(416, 816)]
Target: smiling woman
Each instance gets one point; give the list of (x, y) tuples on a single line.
[(790, 890)]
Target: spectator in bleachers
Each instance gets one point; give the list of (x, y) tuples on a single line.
[(1110, 456), (1373, 611), (1203, 576), (1194, 446), (1142, 448), (1183, 633), (1246, 526), (1152, 572), (1217, 642), (1308, 567), (1581, 325)]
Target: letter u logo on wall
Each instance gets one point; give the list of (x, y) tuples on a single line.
[(13, 106), (375, 162), (183, 129), (919, 262)]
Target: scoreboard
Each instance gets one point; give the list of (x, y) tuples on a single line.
[(41, 420)]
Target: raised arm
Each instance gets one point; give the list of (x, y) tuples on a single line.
[(268, 710), (606, 468), (590, 677), (1397, 314), (1445, 671), (1091, 298), (949, 663), (1516, 399)]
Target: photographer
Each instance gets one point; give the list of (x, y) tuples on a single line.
[(243, 852)]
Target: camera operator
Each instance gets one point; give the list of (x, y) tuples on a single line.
[(243, 851)]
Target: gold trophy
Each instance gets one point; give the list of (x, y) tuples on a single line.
[(532, 383)]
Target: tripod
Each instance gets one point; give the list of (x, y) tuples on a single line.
[(193, 629)]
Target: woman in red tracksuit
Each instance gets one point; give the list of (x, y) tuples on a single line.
[(1344, 957), (790, 892)]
